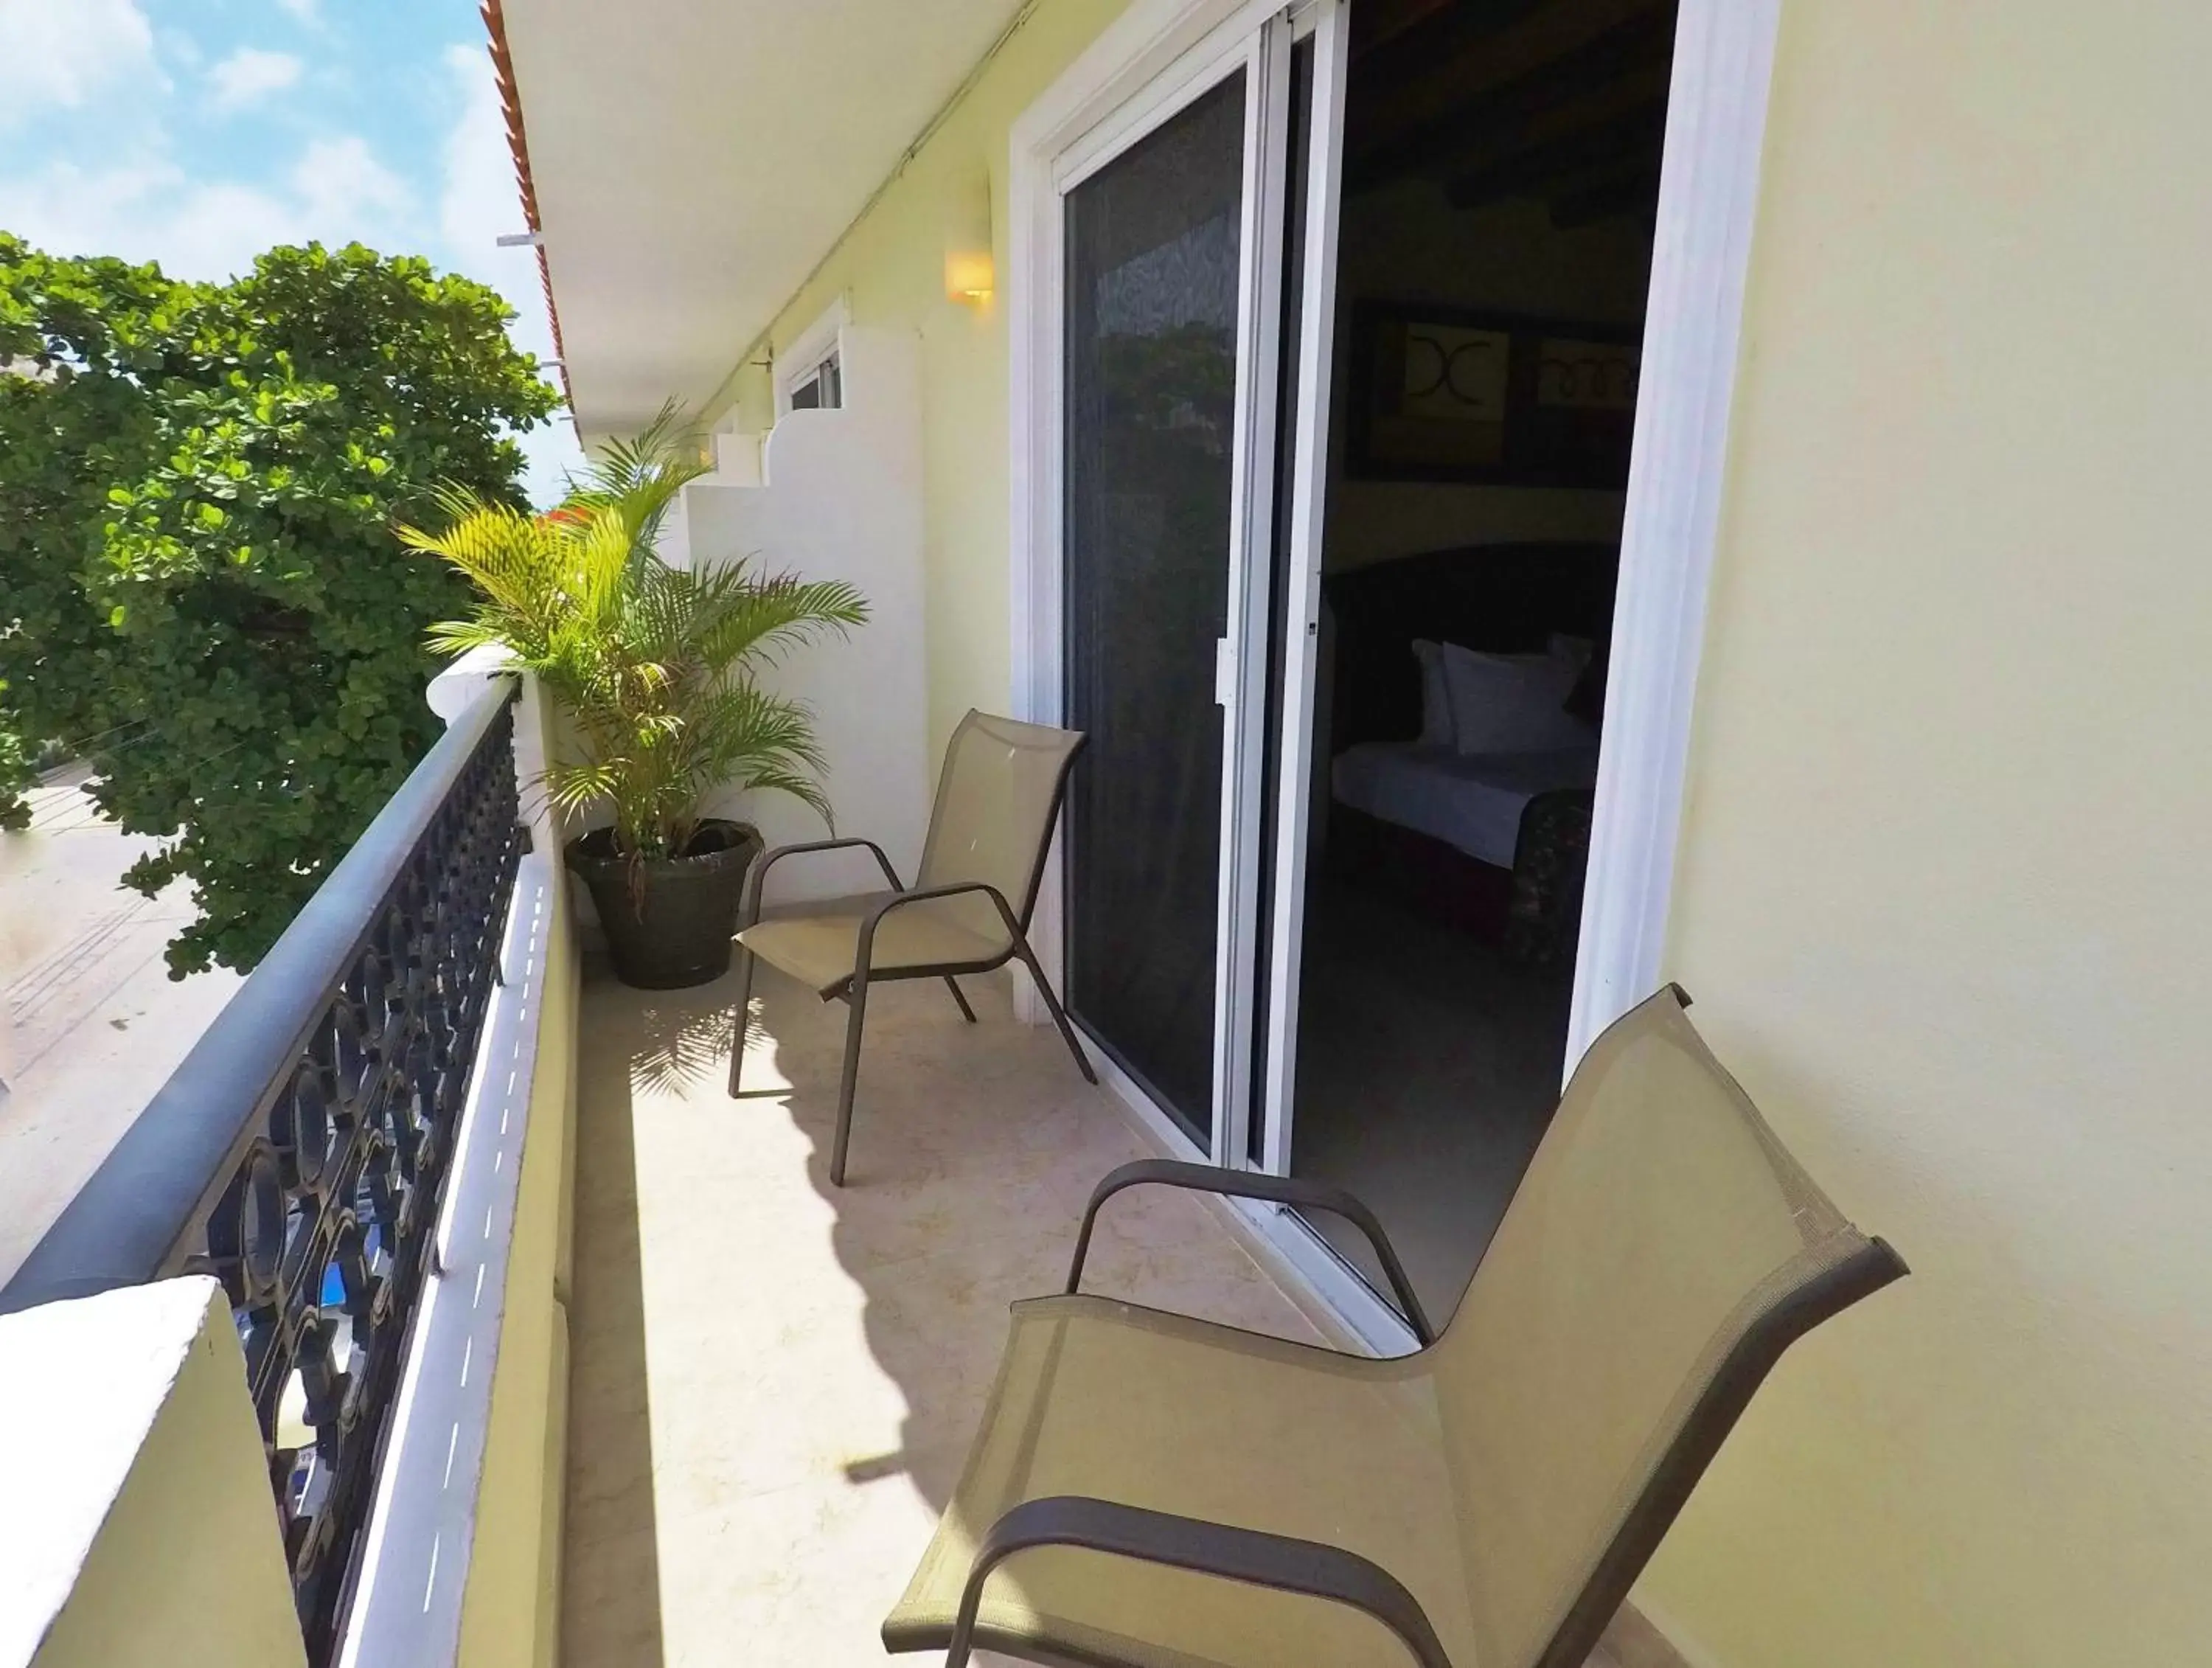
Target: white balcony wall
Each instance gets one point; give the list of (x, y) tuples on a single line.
[(136, 1526), (838, 495)]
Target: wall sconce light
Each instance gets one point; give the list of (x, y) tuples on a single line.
[(968, 275)]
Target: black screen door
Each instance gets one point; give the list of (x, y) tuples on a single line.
[(1153, 282)]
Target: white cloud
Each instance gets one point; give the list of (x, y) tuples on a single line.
[(146, 211), (478, 202), (60, 52), (151, 211), (304, 11), (342, 184), (140, 203), (251, 73)]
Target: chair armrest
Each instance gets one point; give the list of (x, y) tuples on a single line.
[(1249, 1556), (866, 949), (769, 859), (1252, 1185)]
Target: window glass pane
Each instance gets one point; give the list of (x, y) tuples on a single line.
[(822, 389), (1153, 281)]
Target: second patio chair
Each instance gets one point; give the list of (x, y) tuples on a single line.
[(1151, 1491), (968, 910)]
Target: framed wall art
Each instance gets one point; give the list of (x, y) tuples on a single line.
[(1440, 394)]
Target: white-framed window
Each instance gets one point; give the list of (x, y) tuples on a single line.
[(819, 389), (809, 374)]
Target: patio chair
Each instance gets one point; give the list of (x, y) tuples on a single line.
[(968, 912), (1153, 1491)]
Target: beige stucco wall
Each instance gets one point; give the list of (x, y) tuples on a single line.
[(891, 268), (134, 1498), (510, 1611), (1943, 896)]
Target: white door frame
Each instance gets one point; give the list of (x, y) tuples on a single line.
[(1316, 350), (1707, 201), (1693, 331), (1242, 668)]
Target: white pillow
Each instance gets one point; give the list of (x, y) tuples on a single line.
[(1436, 700), (1511, 703)]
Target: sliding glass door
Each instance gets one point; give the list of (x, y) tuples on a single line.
[(1153, 284), (1184, 247)]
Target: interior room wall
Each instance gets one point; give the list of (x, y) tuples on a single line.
[(1942, 896), (1407, 243)]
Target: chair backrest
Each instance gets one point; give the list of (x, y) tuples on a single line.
[(997, 799), (1661, 1251)]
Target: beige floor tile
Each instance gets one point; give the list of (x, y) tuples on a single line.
[(774, 1382)]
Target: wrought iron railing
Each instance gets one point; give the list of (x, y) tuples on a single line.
[(301, 1151)]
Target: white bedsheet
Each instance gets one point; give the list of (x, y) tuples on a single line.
[(1473, 802)]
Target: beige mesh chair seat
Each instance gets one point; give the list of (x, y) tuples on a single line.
[(968, 912), (1160, 1492), (821, 948)]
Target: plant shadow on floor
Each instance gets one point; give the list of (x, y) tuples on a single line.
[(679, 1045)]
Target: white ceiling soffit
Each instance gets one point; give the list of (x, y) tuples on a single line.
[(694, 159)]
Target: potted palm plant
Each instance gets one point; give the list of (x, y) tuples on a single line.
[(654, 665)]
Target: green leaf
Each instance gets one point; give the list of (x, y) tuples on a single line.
[(198, 577), (654, 664)]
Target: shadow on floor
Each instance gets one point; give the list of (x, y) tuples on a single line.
[(612, 1538), (775, 1381)]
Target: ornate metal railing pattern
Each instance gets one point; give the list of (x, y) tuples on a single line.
[(323, 1235), (300, 1152)]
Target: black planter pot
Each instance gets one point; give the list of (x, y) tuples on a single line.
[(669, 920)]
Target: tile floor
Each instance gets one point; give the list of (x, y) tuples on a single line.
[(1428, 1067), (772, 1382)]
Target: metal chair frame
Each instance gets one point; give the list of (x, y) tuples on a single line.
[(852, 990), (1291, 1565)]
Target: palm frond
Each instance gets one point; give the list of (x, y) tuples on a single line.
[(639, 478), (747, 618), (799, 787), (654, 664)]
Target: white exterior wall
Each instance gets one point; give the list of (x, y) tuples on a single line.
[(839, 496)]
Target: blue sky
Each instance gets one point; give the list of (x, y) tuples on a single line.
[(199, 132)]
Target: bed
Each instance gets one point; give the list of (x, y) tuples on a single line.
[(1473, 803), (1444, 830)]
